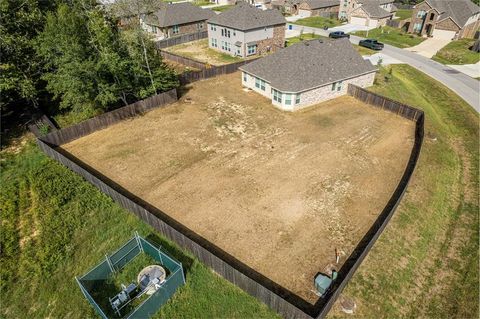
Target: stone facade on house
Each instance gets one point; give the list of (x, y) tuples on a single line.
[(274, 43), (347, 7)]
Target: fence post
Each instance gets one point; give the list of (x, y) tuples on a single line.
[(109, 262)]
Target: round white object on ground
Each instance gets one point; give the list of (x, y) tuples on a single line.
[(347, 305), (150, 278)]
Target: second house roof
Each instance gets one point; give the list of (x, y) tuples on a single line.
[(246, 17)]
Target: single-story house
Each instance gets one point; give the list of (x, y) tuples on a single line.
[(175, 19), (370, 15), (450, 19), (324, 8), (367, 16), (308, 73), (245, 30)]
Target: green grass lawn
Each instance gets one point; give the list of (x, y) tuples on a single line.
[(425, 264), (457, 52), (403, 14), (202, 2), (222, 8), (392, 36), (56, 226), (318, 22), (303, 37), (364, 50)]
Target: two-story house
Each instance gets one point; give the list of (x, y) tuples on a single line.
[(245, 30), (452, 19), (371, 13), (175, 19)]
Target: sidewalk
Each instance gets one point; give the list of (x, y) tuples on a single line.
[(472, 70)]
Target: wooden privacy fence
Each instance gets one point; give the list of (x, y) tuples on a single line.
[(367, 242), (273, 295), (385, 103), (170, 42), (192, 76), (183, 60), (104, 120)]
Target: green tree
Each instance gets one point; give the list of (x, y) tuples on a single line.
[(20, 67), (92, 65)]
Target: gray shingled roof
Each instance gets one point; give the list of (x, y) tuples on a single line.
[(179, 13), (319, 4), (246, 17), (374, 11), (310, 64), (458, 10)]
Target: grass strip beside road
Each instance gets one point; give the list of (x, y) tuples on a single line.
[(457, 52), (392, 36)]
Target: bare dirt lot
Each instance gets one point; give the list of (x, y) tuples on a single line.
[(279, 191), (199, 51)]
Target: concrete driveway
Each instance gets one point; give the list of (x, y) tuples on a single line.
[(430, 46)]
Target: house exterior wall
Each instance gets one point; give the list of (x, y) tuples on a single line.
[(448, 25), (270, 38), (186, 28), (310, 97), (470, 28), (325, 92), (321, 11), (348, 8), (273, 43)]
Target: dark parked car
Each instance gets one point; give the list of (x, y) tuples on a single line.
[(371, 44), (338, 35)]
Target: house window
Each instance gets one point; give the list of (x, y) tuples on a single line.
[(339, 86), (211, 27), (200, 25), (288, 99), (214, 42), (175, 29), (154, 29), (228, 32), (260, 84), (417, 27), (223, 45), (244, 77), (227, 46), (277, 96), (234, 33), (334, 85), (251, 49), (421, 14), (223, 32), (297, 99)]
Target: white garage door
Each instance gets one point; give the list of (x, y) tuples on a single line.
[(304, 13), (373, 23), (358, 21), (443, 34)]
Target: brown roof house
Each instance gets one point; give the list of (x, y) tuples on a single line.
[(308, 73), (370, 13), (175, 19), (245, 30), (324, 8), (452, 19)]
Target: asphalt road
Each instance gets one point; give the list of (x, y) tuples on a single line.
[(466, 87)]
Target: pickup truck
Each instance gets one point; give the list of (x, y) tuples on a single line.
[(338, 35), (371, 44)]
